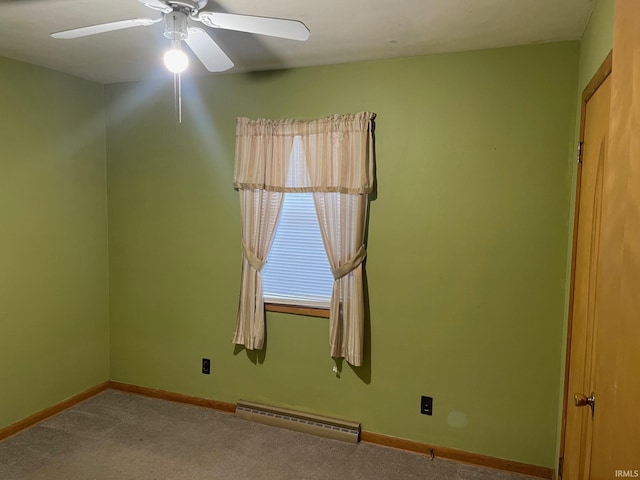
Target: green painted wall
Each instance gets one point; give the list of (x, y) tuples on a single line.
[(467, 245), (597, 40), (53, 247)]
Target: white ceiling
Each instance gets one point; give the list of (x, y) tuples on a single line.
[(341, 31)]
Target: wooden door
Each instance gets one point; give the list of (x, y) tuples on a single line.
[(616, 430), (588, 215), (605, 330)]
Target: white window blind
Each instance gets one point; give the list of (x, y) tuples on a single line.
[(297, 270)]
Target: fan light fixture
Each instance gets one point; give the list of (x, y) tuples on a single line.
[(175, 29), (175, 59)]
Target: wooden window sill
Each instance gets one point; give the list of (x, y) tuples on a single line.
[(297, 310)]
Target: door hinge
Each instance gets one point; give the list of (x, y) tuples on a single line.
[(580, 149), (560, 466)]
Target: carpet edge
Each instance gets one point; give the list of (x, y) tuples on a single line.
[(38, 417)]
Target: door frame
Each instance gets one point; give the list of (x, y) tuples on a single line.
[(596, 81)]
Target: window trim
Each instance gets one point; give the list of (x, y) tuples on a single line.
[(297, 310)]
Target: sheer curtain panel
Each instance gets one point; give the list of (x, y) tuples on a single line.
[(259, 211), (343, 220), (339, 168)]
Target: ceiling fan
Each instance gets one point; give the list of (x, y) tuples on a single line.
[(179, 16)]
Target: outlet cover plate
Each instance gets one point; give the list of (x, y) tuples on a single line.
[(206, 366), (426, 405)]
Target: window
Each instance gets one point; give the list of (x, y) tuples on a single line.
[(297, 270), (337, 166)]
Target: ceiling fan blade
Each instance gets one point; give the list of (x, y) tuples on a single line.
[(275, 27), (157, 5), (208, 51), (104, 27)]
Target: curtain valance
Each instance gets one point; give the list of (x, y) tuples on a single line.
[(337, 154)]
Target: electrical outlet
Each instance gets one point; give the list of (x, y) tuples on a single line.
[(426, 405), (206, 366)]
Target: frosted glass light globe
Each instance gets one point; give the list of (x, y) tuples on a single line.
[(176, 60)]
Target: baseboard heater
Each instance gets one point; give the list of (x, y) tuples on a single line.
[(299, 421)]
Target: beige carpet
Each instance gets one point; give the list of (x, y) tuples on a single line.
[(119, 436)]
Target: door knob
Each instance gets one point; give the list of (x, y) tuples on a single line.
[(582, 401)]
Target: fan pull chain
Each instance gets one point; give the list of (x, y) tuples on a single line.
[(177, 94)]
